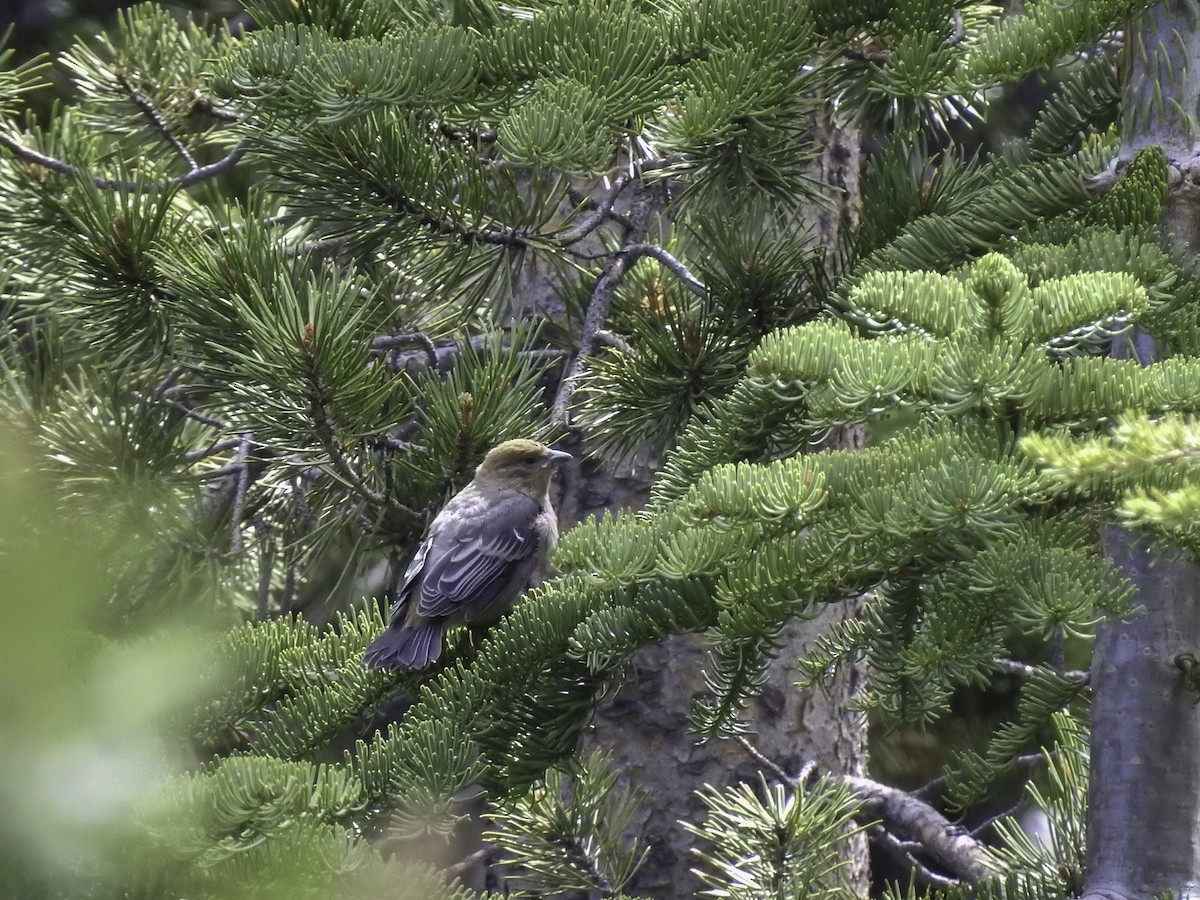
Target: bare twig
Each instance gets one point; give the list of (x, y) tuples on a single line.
[(239, 497), (168, 381), (142, 102), (197, 416), (610, 339), (392, 341), (677, 268), (602, 209), (194, 176), (959, 30), (593, 321), (1024, 671), (212, 450), (990, 820), (1024, 761), (952, 847), (763, 760)]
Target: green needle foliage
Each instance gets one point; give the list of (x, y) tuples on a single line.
[(269, 295)]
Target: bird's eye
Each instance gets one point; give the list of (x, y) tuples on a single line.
[(529, 460)]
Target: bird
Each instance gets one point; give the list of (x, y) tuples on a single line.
[(488, 544)]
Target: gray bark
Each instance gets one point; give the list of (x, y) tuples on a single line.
[(1144, 803), (1144, 797), (645, 727)]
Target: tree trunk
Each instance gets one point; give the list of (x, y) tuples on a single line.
[(1143, 829), (645, 728)]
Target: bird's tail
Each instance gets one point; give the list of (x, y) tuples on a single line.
[(401, 647)]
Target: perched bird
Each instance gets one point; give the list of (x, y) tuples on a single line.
[(488, 544)]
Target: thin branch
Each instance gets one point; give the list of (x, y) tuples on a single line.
[(959, 30), (199, 417), (951, 847), (301, 504), (593, 322), (207, 107), (317, 246), (393, 341), (351, 477), (1024, 671), (168, 381), (603, 207), (212, 450), (463, 866), (142, 102), (990, 820), (597, 312), (677, 268), (266, 563), (194, 176), (239, 497), (618, 343), (1024, 761)]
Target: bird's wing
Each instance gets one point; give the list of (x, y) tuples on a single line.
[(482, 561), (411, 573)]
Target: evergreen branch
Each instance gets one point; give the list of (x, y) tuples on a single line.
[(504, 237), (350, 476), (142, 102), (323, 426), (192, 177), (1025, 761)]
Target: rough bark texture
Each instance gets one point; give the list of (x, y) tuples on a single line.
[(645, 730), (1144, 805)]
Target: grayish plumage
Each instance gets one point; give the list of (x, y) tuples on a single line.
[(488, 544)]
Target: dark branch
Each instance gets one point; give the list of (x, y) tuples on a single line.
[(601, 211), (142, 102), (952, 847), (678, 269), (194, 176)]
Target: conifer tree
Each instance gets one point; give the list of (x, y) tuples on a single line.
[(271, 291)]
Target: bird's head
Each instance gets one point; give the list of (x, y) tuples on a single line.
[(524, 465)]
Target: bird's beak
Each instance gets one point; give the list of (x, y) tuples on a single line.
[(558, 456)]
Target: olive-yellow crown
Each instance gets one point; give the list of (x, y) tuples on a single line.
[(522, 459)]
